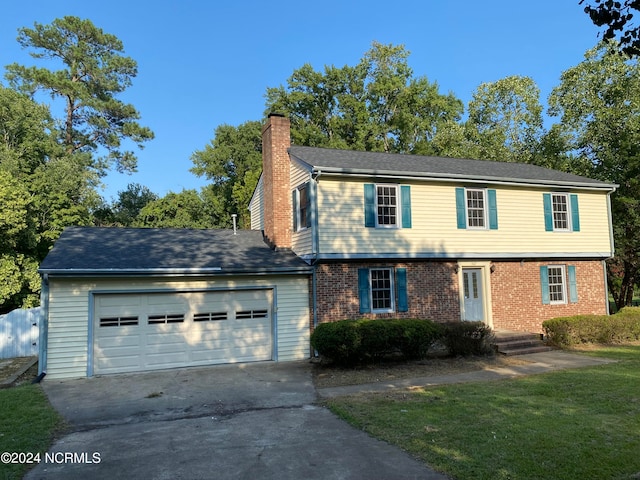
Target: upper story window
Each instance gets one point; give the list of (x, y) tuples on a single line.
[(476, 208), (387, 206), (561, 212), (560, 209), (301, 208), (476, 212)]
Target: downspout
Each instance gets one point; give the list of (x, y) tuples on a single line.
[(315, 176), (43, 333), (314, 302), (606, 287), (612, 246)]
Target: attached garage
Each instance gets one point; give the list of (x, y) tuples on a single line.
[(130, 300)]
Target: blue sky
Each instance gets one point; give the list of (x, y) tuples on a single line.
[(206, 63)]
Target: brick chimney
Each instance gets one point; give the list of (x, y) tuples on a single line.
[(276, 139)]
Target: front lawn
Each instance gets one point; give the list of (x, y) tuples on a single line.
[(27, 425), (571, 424)]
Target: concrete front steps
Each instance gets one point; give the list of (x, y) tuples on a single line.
[(518, 343)]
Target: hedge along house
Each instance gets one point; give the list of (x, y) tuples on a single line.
[(447, 239), (123, 300)]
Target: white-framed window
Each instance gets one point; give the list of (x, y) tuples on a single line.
[(302, 208), (476, 208), (560, 211), (381, 290), (557, 284), (387, 206)]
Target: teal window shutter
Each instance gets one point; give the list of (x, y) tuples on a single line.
[(405, 199), (369, 205), (363, 290), (401, 283), (460, 208), (544, 283), (573, 284), (294, 204), (493, 210), (548, 214), (575, 214)]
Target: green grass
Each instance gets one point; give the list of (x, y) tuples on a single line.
[(572, 424), (27, 424)]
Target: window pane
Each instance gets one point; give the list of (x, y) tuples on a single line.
[(475, 208), (303, 205), (556, 285), (560, 212), (387, 205), (381, 289)]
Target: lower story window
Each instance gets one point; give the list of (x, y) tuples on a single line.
[(559, 284), (556, 284), (381, 290)]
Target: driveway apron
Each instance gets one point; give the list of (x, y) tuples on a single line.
[(225, 422)]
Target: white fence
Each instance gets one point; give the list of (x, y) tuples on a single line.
[(19, 330)]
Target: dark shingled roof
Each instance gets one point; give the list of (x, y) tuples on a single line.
[(103, 251), (391, 164)]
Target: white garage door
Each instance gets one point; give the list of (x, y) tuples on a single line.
[(137, 332)]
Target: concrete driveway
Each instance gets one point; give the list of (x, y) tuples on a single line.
[(253, 421)]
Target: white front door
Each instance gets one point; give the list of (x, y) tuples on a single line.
[(473, 294)]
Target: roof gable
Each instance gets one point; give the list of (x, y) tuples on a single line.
[(110, 250), (348, 162)]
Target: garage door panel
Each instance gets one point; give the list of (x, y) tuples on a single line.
[(182, 329)]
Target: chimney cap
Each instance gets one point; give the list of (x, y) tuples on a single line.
[(276, 114)]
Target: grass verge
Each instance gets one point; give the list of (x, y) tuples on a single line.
[(581, 423), (27, 425)]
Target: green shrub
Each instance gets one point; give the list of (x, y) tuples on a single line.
[(622, 327), (359, 341), (468, 338), (416, 337), (339, 341)]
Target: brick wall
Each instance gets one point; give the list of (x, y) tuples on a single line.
[(516, 294), (275, 176), (433, 292), (432, 288)]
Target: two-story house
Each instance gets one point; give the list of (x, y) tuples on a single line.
[(447, 239), (335, 235)]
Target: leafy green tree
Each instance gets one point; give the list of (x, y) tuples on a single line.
[(376, 105), (598, 102), (233, 162), (616, 17), (125, 210), (42, 190), (505, 119), (94, 73), (186, 209)]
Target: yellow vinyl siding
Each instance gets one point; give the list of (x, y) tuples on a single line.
[(301, 241), (68, 326), (434, 229), (256, 207)]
